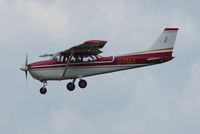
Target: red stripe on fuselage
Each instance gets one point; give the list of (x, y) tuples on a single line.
[(118, 60), (148, 55)]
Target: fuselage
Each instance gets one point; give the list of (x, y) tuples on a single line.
[(53, 69)]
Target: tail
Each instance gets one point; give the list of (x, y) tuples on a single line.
[(165, 41)]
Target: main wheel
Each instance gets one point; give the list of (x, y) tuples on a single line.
[(82, 83), (70, 86), (43, 90)]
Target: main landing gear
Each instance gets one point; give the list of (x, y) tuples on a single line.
[(43, 89), (71, 86), (82, 84)]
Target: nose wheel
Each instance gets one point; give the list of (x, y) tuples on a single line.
[(43, 89)]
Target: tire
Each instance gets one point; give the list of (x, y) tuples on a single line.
[(82, 84), (70, 86), (43, 90)]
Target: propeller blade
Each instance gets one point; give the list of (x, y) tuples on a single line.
[(26, 61), (26, 64), (26, 73), (25, 67)]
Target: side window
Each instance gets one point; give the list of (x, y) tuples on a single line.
[(63, 59), (72, 59), (87, 59)]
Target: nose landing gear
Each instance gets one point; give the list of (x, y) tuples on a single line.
[(43, 89)]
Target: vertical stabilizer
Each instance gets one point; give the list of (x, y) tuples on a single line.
[(166, 40)]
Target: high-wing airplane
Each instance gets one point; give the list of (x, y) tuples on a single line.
[(84, 60)]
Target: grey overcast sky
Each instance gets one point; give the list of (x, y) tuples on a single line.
[(158, 99)]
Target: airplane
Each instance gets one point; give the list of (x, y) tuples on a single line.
[(85, 60)]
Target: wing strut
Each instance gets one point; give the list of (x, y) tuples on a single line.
[(68, 61)]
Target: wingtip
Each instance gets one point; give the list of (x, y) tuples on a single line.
[(171, 29), (95, 41)]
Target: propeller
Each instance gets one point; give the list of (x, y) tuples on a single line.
[(25, 67)]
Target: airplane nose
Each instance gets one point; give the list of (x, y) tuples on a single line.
[(24, 68)]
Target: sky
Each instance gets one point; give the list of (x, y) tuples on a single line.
[(157, 99)]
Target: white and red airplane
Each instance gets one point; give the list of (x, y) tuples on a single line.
[(84, 60)]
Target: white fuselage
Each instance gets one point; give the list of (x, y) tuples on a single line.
[(72, 72)]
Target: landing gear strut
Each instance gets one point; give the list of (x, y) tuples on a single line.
[(43, 89)]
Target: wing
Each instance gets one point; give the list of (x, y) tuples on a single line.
[(46, 55), (91, 47)]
